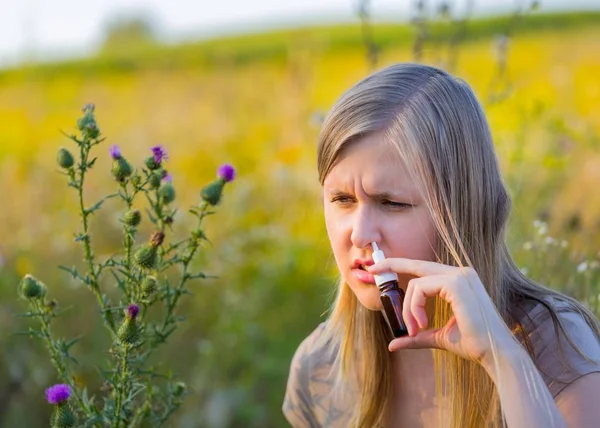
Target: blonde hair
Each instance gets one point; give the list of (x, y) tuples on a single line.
[(438, 127)]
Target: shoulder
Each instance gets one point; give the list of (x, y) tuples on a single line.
[(562, 355), (306, 381)]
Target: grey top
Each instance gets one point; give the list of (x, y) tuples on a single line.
[(309, 402)]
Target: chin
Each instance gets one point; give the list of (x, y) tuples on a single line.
[(368, 296)]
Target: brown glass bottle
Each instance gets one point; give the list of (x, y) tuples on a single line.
[(392, 299)]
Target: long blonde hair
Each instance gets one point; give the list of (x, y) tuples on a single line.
[(438, 127)]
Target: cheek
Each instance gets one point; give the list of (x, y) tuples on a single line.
[(413, 239)]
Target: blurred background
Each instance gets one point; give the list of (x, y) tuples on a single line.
[(249, 83)]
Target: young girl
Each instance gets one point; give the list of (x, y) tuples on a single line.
[(406, 160)]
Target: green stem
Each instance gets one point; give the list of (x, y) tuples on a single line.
[(129, 238), (121, 386), (55, 355), (184, 276), (89, 256), (139, 416)]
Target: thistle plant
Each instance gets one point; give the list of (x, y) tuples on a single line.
[(134, 394)]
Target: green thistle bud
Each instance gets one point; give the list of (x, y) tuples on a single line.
[(129, 331), (121, 169), (146, 256), (179, 388), (154, 180), (213, 192), (132, 217), (63, 416), (151, 164), (136, 180), (32, 288), (65, 158), (149, 285), (91, 131), (167, 193), (86, 121)]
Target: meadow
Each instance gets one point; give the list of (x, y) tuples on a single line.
[(256, 101)]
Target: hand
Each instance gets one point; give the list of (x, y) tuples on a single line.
[(474, 321)]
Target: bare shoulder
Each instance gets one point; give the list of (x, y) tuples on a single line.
[(562, 355)]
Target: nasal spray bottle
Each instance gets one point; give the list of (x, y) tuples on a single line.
[(392, 296)]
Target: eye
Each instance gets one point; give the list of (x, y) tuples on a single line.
[(343, 200), (395, 205)]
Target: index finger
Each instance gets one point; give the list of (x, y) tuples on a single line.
[(409, 266)]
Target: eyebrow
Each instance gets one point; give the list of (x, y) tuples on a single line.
[(382, 195)]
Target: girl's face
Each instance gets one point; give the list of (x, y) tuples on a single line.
[(370, 196)]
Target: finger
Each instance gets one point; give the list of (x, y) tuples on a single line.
[(418, 268), (416, 304), (422, 289), (411, 324), (426, 339)]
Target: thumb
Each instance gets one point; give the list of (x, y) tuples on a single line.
[(426, 339)]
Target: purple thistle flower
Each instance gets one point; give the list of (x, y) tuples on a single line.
[(132, 311), (226, 172), (160, 154), (168, 178), (58, 393), (115, 152)]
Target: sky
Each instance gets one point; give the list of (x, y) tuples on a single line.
[(42, 29)]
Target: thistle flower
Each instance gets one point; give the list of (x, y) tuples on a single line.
[(159, 154), (157, 238), (213, 192), (115, 152), (32, 288), (226, 172), (63, 416), (167, 177), (132, 217), (132, 311), (146, 256), (58, 394), (65, 158), (129, 331)]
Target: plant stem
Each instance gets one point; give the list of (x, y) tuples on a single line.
[(121, 386), (55, 355), (129, 232), (89, 256)]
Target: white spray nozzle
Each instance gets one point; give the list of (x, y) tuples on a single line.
[(378, 256)]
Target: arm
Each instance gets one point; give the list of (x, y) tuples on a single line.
[(477, 332), (525, 400), (578, 402), (576, 406)]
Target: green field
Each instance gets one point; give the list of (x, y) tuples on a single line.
[(252, 101)]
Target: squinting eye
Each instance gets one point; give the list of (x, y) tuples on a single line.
[(396, 205), (342, 200)]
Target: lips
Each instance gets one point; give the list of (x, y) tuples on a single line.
[(362, 263), (359, 271)]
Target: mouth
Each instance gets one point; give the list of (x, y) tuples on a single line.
[(359, 270)]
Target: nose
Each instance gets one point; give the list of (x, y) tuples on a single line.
[(365, 228)]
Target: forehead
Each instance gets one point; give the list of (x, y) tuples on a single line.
[(375, 163)]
